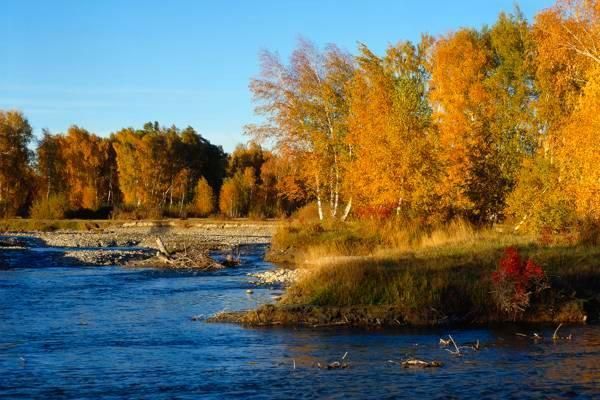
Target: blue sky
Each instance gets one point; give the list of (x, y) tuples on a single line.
[(110, 64)]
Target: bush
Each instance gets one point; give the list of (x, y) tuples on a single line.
[(53, 207), (307, 214), (515, 281)]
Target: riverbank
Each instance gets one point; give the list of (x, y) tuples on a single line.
[(352, 276), (135, 243)]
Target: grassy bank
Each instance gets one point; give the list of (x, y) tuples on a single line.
[(361, 274)]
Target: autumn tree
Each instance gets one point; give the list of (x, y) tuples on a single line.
[(50, 165), (85, 157), (15, 156), (392, 166), (282, 190), (231, 197), (578, 151), (482, 93), (567, 64), (204, 199), (304, 104), (462, 111), (159, 167)]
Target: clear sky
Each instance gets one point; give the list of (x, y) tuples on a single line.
[(109, 64)]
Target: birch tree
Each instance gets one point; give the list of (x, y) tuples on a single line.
[(305, 109)]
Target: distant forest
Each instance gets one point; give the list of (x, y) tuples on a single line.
[(483, 124), (135, 173)]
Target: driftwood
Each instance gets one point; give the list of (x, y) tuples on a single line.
[(447, 342), (537, 337), (556, 337), (457, 352), (342, 364), (534, 336), (415, 363), (162, 248), (474, 346)]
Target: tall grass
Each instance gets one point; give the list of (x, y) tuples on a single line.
[(445, 269), (313, 242)]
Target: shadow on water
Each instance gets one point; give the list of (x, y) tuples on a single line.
[(93, 332)]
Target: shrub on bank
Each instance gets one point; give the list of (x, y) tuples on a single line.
[(515, 281), (52, 207)]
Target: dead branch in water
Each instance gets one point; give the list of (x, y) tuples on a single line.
[(457, 352), (556, 337), (342, 364)]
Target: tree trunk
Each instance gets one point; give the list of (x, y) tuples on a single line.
[(336, 199), (398, 208), (347, 210), (319, 204)]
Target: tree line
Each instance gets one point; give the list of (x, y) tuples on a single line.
[(481, 124), (150, 172)]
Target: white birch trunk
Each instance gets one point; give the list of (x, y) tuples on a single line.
[(319, 204), (337, 185), (347, 210)]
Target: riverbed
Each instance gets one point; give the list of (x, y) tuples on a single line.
[(69, 331)]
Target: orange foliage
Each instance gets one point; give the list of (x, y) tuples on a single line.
[(461, 110)]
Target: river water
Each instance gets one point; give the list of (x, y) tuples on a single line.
[(111, 332)]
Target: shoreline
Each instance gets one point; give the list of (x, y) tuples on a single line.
[(134, 244), (381, 317)]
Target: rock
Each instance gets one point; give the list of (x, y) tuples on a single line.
[(284, 277)]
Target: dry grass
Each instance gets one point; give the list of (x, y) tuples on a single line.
[(315, 243), (443, 271)]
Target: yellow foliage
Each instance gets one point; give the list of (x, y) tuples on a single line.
[(204, 201)]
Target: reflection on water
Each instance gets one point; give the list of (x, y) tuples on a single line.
[(93, 332)]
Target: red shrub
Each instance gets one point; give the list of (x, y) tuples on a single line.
[(515, 280)]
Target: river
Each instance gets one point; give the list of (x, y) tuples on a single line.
[(112, 332)]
